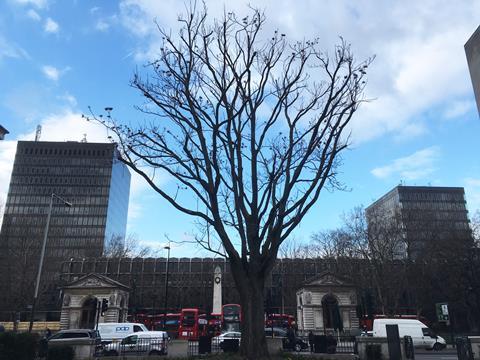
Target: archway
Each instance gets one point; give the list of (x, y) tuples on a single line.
[(331, 313), (89, 310)]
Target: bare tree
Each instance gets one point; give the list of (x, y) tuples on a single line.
[(377, 246), (129, 247), (251, 129), (475, 225), (293, 249)]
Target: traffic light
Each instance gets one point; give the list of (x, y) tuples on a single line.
[(104, 306)]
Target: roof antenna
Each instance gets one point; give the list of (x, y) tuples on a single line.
[(38, 133)]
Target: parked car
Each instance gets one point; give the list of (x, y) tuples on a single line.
[(65, 336), (77, 337), (298, 343), (139, 344), (422, 336), (115, 332), (218, 341)]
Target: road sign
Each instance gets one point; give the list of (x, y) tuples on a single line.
[(442, 312)]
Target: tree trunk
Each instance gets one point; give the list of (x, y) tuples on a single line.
[(251, 288)]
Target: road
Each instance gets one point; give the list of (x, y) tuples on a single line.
[(447, 354)]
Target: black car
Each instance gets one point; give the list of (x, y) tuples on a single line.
[(297, 344)]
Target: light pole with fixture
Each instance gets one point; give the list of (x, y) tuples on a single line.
[(42, 255), (166, 288)]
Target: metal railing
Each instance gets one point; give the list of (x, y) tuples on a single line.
[(207, 345), (333, 344), (464, 348), (136, 347), (346, 345)]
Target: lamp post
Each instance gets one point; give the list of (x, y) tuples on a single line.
[(166, 288), (42, 255)]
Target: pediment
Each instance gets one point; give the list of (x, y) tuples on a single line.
[(95, 281), (327, 279)]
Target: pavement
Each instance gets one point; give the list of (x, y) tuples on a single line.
[(445, 354)]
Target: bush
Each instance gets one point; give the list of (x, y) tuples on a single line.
[(14, 346), (60, 353)]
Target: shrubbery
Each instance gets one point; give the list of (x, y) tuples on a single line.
[(18, 346), (60, 353)]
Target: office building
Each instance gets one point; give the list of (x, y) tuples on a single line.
[(472, 50), (90, 177), (412, 217)]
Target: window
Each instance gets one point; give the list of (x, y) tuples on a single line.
[(428, 332), (136, 328), (130, 340)]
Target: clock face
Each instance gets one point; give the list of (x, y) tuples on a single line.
[(217, 279)]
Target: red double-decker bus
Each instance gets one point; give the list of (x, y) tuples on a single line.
[(170, 324), (192, 324), (143, 318), (215, 324), (231, 317), (280, 320)]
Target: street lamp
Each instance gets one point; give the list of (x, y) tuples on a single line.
[(42, 255), (166, 288)]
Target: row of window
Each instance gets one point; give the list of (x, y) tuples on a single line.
[(74, 210), (434, 206), (79, 221), (57, 151), (85, 242), (47, 180), (432, 196), (45, 200), (16, 189), (95, 231), (64, 170), (62, 161)]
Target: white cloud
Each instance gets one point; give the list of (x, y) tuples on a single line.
[(11, 50), (420, 61), (69, 99), (413, 167), (32, 14), (52, 73), (458, 108), (102, 25), (51, 26), (40, 4)]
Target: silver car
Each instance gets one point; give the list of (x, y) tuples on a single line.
[(139, 344)]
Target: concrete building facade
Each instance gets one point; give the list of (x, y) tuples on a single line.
[(472, 50), (87, 175), (327, 303), (412, 217), (82, 298)]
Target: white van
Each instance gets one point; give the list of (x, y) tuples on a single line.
[(114, 332), (421, 335)]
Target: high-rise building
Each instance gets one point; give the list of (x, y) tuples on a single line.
[(472, 50), (87, 175), (412, 217)]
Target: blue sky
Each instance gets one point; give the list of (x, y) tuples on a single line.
[(59, 57)]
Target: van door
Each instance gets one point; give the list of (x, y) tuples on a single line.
[(129, 345), (429, 337), (414, 332)]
